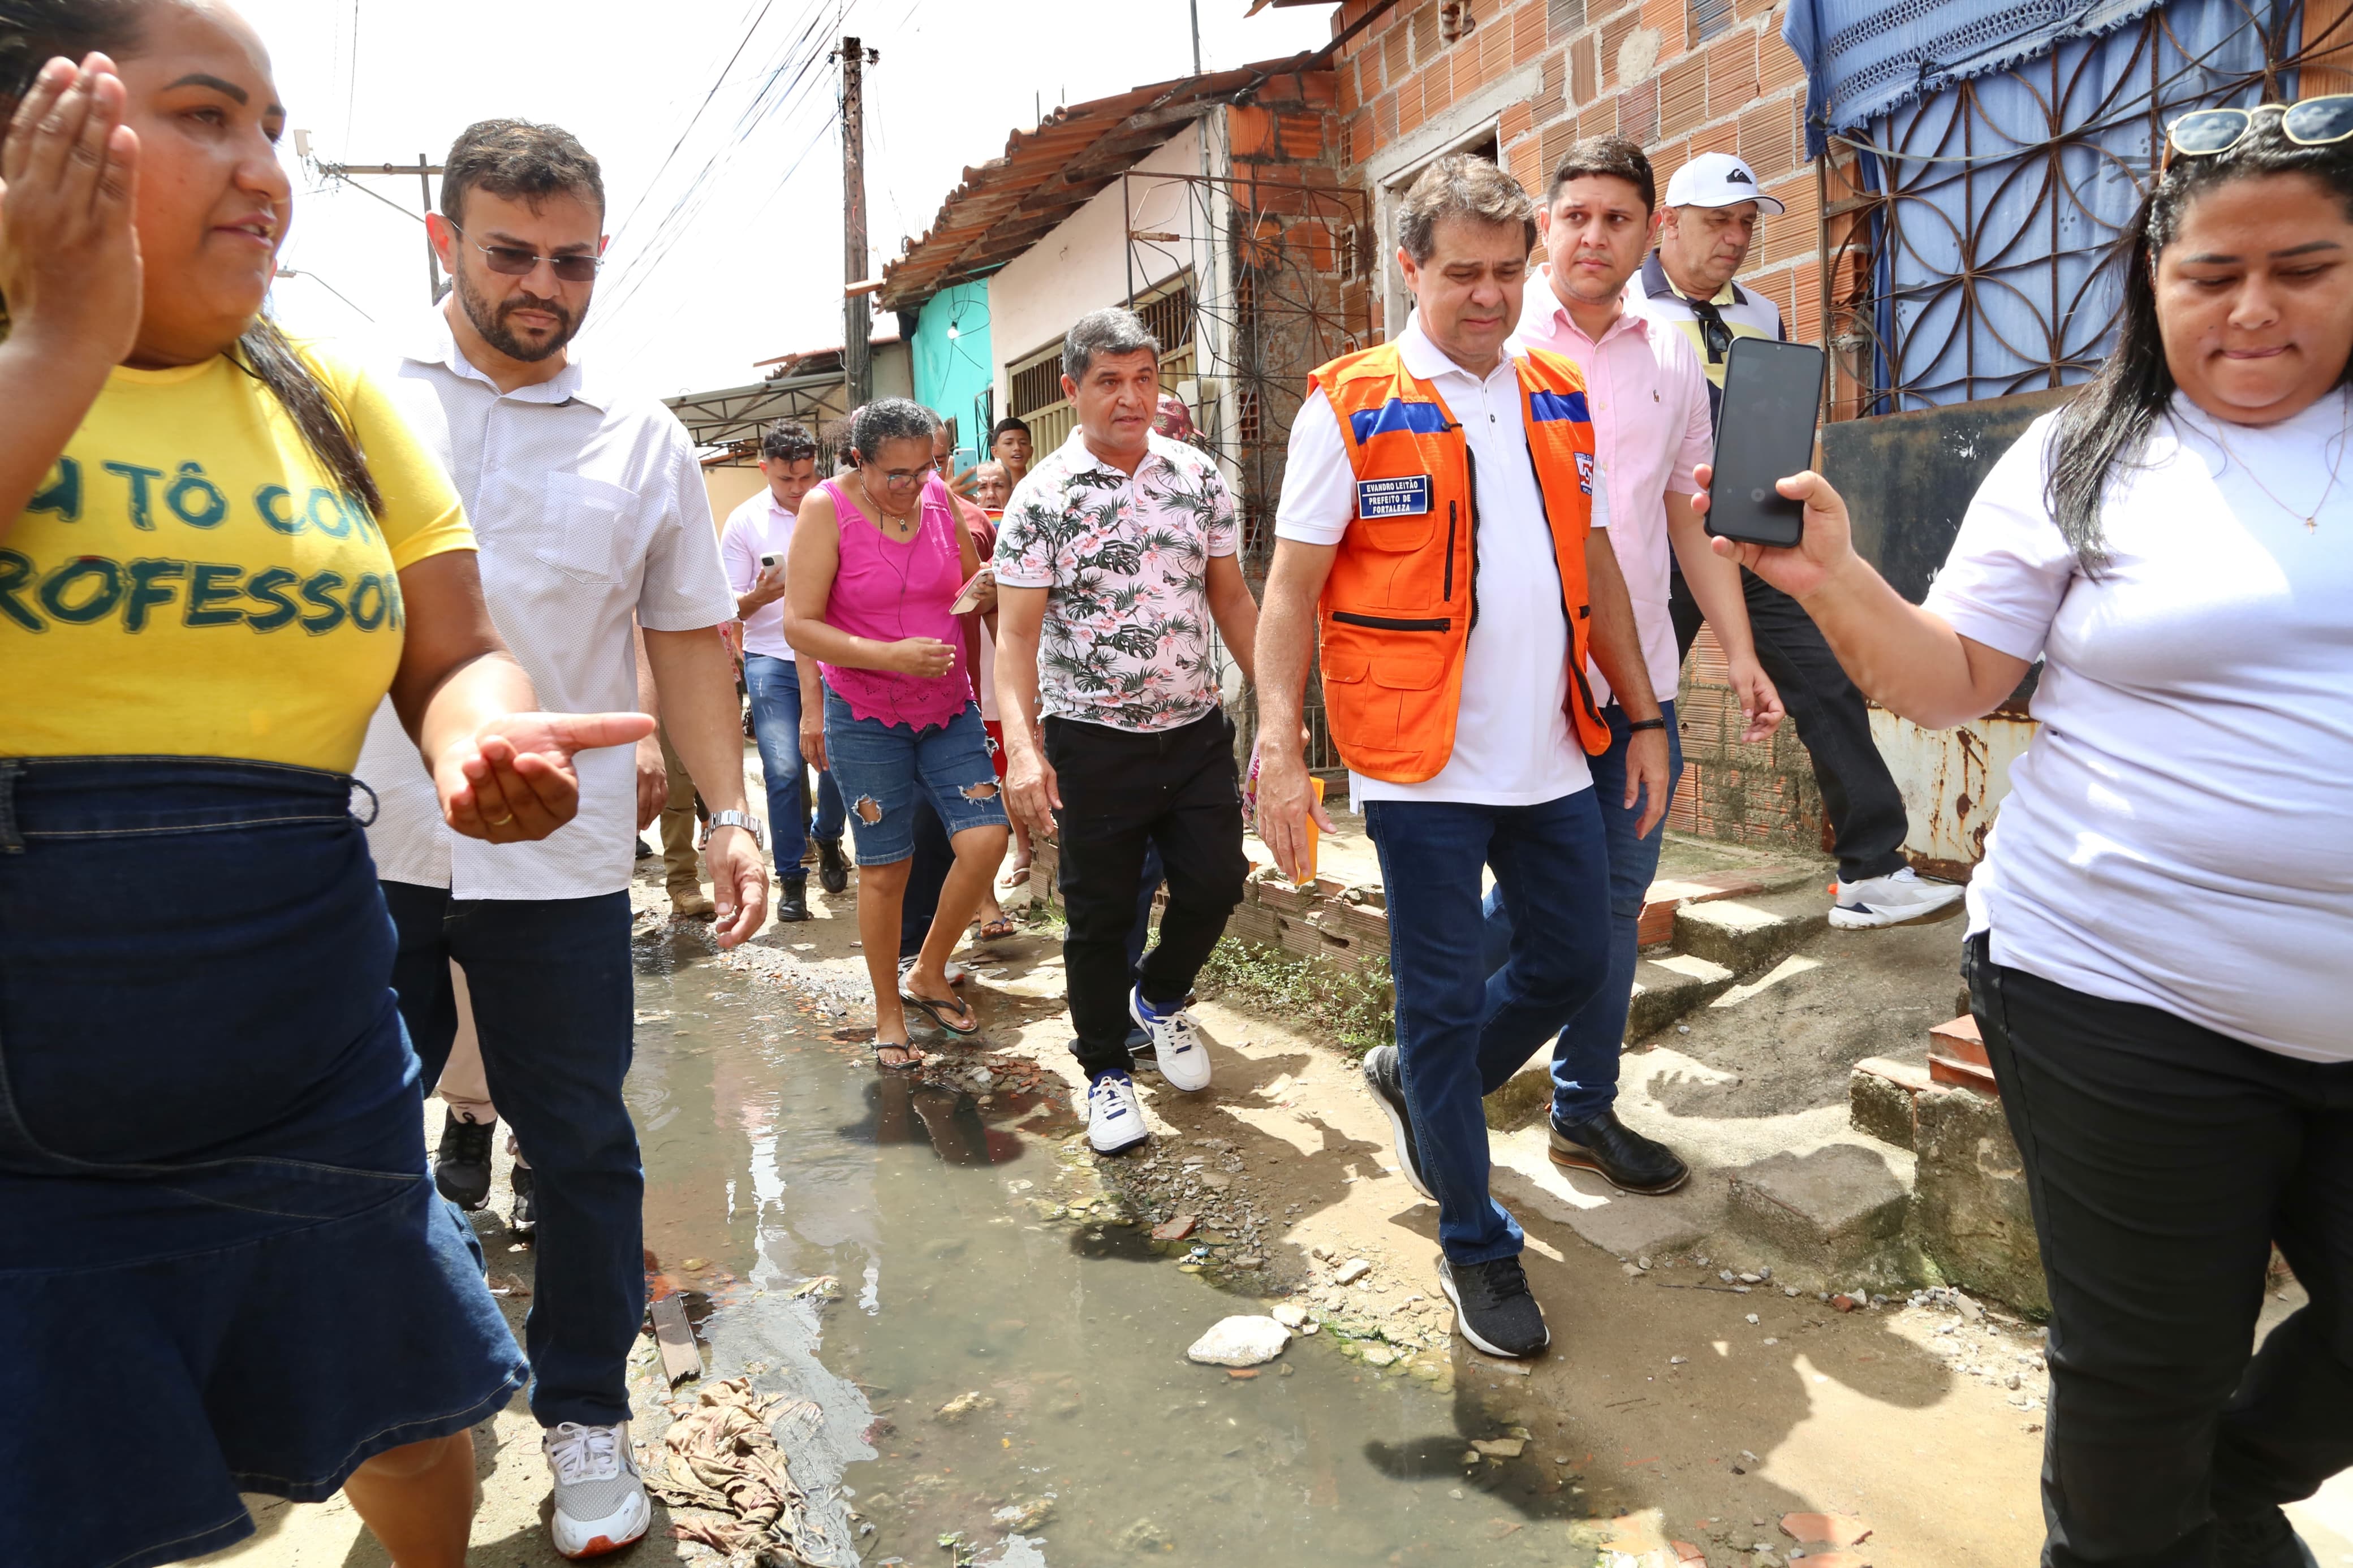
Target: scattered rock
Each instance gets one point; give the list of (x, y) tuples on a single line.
[(1145, 1535), (1500, 1448), (1379, 1355), (1752, 1320), (1290, 1314), (695, 1265), (964, 1404), (1241, 1341), (1844, 1303), (1356, 1268), (1177, 1229)]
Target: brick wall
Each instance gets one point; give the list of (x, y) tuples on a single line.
[(1635, 68)]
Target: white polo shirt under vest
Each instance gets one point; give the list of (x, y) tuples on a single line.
[(1513, 742), (589, 508)]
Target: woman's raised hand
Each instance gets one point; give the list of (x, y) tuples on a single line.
[(1824, 549), (69, 264)]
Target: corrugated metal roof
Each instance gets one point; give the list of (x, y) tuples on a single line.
[(1008, 203)]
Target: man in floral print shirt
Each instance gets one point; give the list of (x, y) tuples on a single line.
[(1114, 559)]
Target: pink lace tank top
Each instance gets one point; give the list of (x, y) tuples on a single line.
[(888, 591)]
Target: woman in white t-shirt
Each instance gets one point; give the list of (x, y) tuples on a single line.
[(2161, 936)]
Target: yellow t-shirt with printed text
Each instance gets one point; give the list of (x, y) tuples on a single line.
[(189, 582)]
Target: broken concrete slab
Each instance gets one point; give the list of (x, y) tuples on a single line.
[(1839, 1209), (1880, 1096), (1746, 936), (1666, 990), (1524, 1180), (1971, 1211), (1790, 968)]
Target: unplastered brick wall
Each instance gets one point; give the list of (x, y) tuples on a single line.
[(1635, 68), (1638, 68)]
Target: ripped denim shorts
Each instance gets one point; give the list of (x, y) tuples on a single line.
[(880, 766)]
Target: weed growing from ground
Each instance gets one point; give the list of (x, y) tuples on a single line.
[(1356, 1007)]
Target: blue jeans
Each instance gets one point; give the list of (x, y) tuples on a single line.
[(554, 1001), (776, 688), (1585, 1057), (1460, 1038), (886, 765)]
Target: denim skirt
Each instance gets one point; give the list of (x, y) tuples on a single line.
[(223, 1264)]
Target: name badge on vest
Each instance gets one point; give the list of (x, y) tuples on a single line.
[(1406, 497)]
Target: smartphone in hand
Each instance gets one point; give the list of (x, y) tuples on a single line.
[(1764, 433), (968, 599)]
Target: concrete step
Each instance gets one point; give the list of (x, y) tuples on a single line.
[(1838, 1211), (1749, 935), (1670, 987)]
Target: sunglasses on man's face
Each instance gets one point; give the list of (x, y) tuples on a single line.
[(2314, 122), (513, 262)]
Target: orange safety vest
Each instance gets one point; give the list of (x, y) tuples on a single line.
[(1396, 613)]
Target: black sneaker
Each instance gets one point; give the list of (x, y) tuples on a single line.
[(792, 898), (461, 1163), (524, 1218), (2262, 1540), (1626, 1160), (1388, 1093), (832, 871), (1493, 1307)]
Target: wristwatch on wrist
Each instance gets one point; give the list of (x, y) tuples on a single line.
[(743, 819)]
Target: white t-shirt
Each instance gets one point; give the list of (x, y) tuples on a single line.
[(756, 528), (1513, 742), (2178, 833)]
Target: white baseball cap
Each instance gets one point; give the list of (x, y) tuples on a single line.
[(1718, 180)]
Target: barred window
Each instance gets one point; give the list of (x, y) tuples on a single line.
[(1709, 17)]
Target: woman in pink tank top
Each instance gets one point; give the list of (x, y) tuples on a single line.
[(878, 557)]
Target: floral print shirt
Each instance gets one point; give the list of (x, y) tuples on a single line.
[(1125, 565)]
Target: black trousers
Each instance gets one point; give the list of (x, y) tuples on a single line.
[(1866, 809), (2163, 1160), (1122, 791)]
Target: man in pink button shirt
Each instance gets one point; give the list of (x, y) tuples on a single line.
[(1648, 396)]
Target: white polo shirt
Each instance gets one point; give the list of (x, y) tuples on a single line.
[(590, 509), (1513, 742), (756, 528)]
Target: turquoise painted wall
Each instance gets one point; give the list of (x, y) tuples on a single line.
[(954, 375)]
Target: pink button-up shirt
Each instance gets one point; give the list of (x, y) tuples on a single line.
[(1648, 394)]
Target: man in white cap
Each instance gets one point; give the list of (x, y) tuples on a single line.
[(1713, 205)]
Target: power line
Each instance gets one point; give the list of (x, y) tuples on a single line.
[(696, 118)]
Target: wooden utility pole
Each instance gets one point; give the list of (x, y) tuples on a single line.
[(857, 369), (423, 169)]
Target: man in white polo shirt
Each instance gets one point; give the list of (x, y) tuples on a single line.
[(590, 511), (1711, 208), (754, 544)]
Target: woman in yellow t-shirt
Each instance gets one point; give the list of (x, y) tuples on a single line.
[(223, 1262)]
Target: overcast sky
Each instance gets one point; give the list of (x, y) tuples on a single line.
[(727, 228)]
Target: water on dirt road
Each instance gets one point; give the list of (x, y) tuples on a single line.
[(777, 1156)]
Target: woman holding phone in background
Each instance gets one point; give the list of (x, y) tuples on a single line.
[(877, 559), (224, 1266), (2160, 929)]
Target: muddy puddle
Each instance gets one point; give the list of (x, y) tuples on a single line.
[(944, 1278)]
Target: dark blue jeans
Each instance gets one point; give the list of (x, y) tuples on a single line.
[(1459, 1037), (553, 1005), (774, 685), (1585, 1056)]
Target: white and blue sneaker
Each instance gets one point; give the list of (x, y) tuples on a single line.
[(1177, 1047), (1114, 1116), (1899, 899)]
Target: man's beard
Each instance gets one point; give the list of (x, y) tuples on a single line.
[(492, 322)]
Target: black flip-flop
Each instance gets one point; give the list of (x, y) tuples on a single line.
[(909, 1047), (933, 1010)]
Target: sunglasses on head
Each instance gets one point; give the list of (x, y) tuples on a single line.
[(513, 262), (2314, 122)]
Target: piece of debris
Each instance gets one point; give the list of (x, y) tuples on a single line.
[(1022, 1517), (509, 1286), (1356, 1268), (1752, 1319), (825, 1287), (964, 1404), (720, 1460), (1241, 1341), (1177, 1229), (681, 1357), (1146, 1535), (1844, 1303), (1500, 1448), (1379, 1355), (1825, 1528), (1290, 1314), (695, 1265)]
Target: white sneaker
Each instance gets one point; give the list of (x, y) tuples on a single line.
[(1898, 899), (1114, 1117), (600, 1498), (1183, 1060)]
